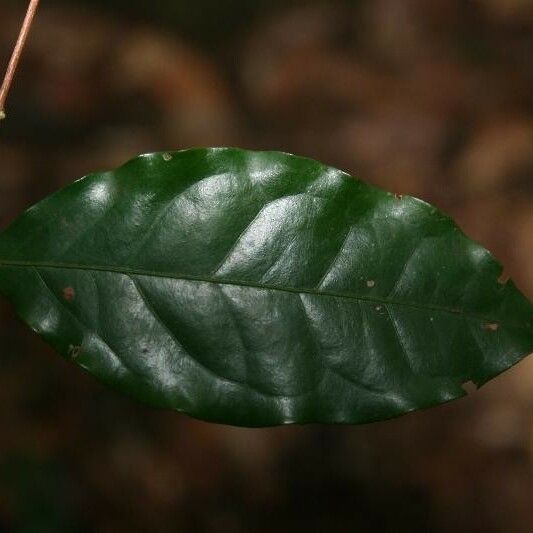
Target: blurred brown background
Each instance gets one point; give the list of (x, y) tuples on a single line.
[(432, 98)]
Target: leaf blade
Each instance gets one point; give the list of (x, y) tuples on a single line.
[(233, 268)]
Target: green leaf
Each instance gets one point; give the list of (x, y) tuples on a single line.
[(260, 288)]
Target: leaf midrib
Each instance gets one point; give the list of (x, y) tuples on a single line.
[(251, 284)]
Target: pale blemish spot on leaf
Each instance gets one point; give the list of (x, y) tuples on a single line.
[(69, 294), (370, 283), (491, 327), (504, 278), (74, 351), (469, 387)]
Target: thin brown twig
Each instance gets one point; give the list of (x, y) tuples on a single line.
[(17, 52)]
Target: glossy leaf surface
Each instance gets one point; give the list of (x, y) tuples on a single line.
[(260, 288)]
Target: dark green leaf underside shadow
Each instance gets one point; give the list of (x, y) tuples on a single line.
[(261, 288)]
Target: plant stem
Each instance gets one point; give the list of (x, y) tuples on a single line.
[(17, 52)]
